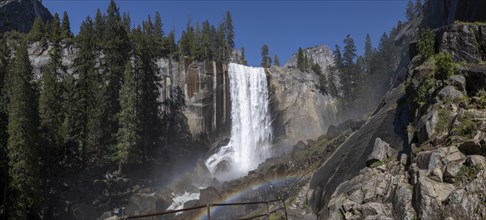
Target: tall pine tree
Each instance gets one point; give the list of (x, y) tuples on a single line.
[(66, 27), (128, 136), (22, 140)]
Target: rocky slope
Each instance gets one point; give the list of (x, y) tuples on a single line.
[(20, 14), (432, 168)]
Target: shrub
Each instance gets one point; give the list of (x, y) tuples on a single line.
[(445, 66), (426, 43), (467, 127), (468, 173)]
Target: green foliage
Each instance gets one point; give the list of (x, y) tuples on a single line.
[(467, 127), (55, 33), (422, 96), (66, 27), (37, 31), (443, 120), (276, 61), (467, 174), (266, 60), (445, 66), (128, 136), (50, 105), (377, 164), (426, 43), (243, 58), (22, 140), (300, 60)]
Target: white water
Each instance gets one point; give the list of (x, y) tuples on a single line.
[(251, 131), (179, 200)]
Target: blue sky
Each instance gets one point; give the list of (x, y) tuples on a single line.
[(283, 25)]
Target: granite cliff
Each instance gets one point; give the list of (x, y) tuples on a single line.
[(19, 15)]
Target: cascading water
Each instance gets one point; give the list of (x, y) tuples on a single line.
[(251, 131)]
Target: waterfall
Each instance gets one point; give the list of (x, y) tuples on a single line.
[(251, 131)]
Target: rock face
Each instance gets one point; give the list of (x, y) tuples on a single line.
[(206, 88), (444, 12), (301, 112), (442, 174), (465, 42), (321, 55), (20, 14), (347, 161)]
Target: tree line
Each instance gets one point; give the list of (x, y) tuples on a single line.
[(106, 115)]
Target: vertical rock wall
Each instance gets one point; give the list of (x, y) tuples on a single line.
[(206, 89)]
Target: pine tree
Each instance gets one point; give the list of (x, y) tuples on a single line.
[(99, 28), (410, 12), (55, 33), (116, 48), (243, 58), (66, 27), (300, 60), (4, 79), (37, 31), (206, 40), (266, 60), (171, 45), (230, 34), (127, 22), (349, 53), (146, 69), (50, 105), (368, 54), (418, 7), (159, 36), (276, 61), (338, 58), (128, 137), (22, 140)]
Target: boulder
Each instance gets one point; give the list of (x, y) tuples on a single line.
[(381, 151), (209, 195), (450, 92), (430, 195), (475, 75), (459, 81), (475, 160), (472, 146), (451, 171), (300, 145), (427, 126)]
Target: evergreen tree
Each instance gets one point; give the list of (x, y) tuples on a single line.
[(22, 140), (243, 58), (206, 41), (4, 79), (50, 105), (146, 69), (37, 31), (99, 27), (349, 53), (66, 27), (266, 60), (410, 12), (276, 61), (230, 34), (127, 22), (418, 7), (338, 58), (300, 60), (128, 137), (55, 33), (368, 54), (171, 45), (116, 48)]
